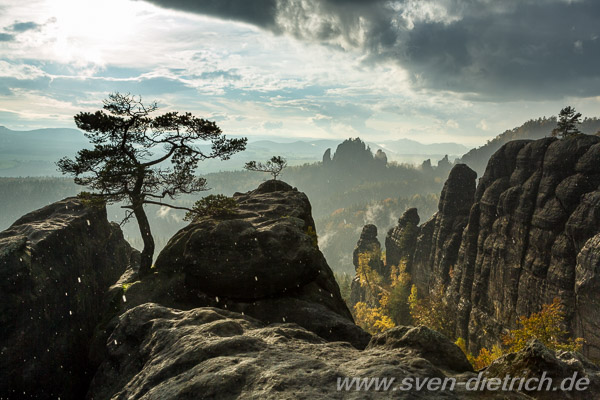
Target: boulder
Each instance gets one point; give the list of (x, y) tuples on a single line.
[(56, 265), (262, 260)]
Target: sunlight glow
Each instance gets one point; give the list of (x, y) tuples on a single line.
[(85, 30)]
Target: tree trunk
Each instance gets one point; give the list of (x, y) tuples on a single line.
[(148, 251)]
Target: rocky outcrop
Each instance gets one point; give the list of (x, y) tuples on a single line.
[(531, 238), (439, 239), (564, 372), (263, 260), (528, 233), (56, 264), (327, 157), (367, 246), (401, 240), (381, 158), (156, 352)]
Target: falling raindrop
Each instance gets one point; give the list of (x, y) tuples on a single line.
[(217, 298), (79, 279), (88, 222), (256, 278), (124, 299)]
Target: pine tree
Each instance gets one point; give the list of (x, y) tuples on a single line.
[(131, 148), (568, 119)]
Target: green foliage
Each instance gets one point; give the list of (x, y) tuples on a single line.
[(212, 206), (568, 121), (274, 166), (90, 200)]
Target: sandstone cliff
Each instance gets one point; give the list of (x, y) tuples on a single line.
[(527, 234), (56, 264)]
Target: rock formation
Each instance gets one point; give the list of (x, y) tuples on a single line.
[(263, 261), (327, 157), (368, 246), (438, 240), (527, 234), (401, 240), (56, 264), (536, 208), (381, 158)]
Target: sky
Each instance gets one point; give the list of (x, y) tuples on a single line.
[(432, 71)]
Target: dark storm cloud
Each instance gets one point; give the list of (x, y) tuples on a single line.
[(511, 49), (258, 12)]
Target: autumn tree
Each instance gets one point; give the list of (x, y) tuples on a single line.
[(274, 166), (545, 326), (566, 126), (431, 311), (131, 153)]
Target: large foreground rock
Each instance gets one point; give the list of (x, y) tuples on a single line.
[(56, 264), (263, 261), (208, 353)]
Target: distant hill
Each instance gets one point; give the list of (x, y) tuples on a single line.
[(478, 158), (34, 153)]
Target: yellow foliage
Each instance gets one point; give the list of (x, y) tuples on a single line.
[(460, 342), (545, 326), (367, 276), (372, 319), (432, 312), (486, 357)]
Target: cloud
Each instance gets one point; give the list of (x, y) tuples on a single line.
[(24, 26), (6, 37), (514, 49), (452, 124), (483, 125), (270, 125), (257, 12)]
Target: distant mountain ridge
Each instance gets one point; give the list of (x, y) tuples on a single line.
[(478, 158), (34, 153)]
